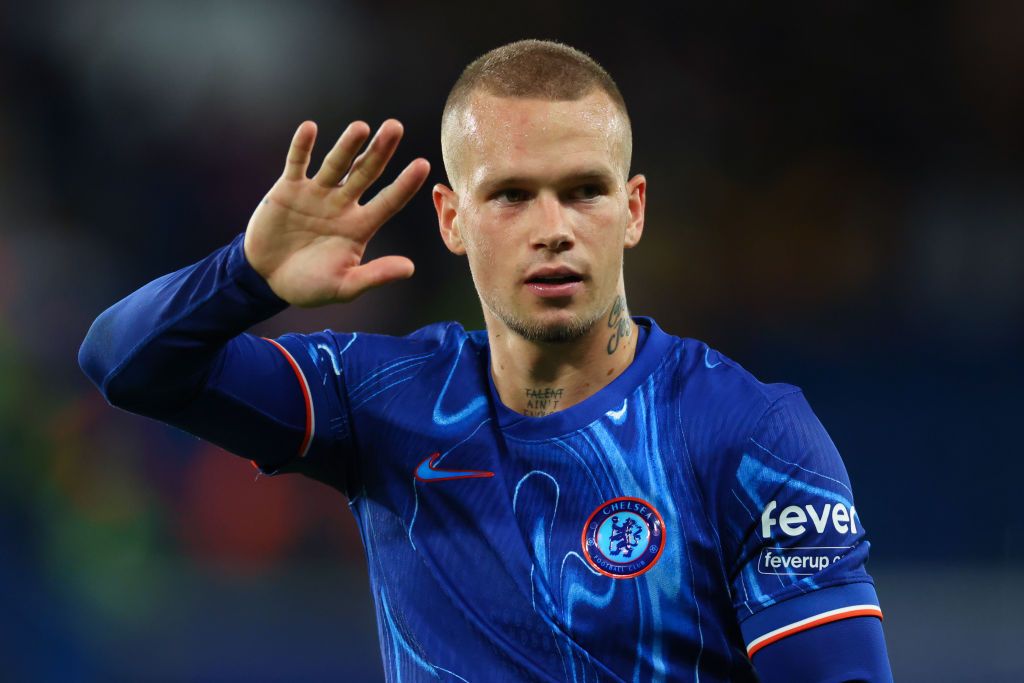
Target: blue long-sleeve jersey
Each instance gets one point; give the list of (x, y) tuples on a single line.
[(686, 522)]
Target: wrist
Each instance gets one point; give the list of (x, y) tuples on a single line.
[(249, 279)]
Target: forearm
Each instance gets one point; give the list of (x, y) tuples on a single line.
[(151, 352), (176, 350)]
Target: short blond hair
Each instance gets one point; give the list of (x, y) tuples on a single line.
[(541, 69)]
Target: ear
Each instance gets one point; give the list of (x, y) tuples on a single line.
[(446, 203), (636, 189)]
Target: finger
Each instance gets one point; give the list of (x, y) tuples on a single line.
[(392, 198), (375, 273), (298, 154), (339, 159), (370, 164)]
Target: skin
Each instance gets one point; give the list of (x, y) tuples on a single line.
[(539, 183), (308, 235), (568, 202)]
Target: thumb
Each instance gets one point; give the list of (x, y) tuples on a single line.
[(375, 273)]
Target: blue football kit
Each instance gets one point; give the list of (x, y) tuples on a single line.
[(687, 522)]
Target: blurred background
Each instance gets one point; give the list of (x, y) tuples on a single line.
[(835, 201)]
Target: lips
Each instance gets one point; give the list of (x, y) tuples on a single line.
[(554, 281)]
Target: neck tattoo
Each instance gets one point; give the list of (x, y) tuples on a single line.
[(618, 322), (542, 401)]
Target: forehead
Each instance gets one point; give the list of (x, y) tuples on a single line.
[(520, 137)]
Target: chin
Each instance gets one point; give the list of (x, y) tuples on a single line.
[(562, 328)]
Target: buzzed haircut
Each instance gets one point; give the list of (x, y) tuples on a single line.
[(541, 69)]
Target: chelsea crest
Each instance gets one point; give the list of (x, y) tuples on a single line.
[(623, 537)]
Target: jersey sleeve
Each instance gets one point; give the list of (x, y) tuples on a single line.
[(845, 650), (269, 401), (176, 350), (342, 378), (798, 546)]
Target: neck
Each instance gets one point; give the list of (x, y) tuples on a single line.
[(537, 378)]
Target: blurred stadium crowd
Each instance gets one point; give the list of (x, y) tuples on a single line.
[(835, 201)]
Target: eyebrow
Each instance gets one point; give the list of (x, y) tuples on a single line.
[(571, 178)]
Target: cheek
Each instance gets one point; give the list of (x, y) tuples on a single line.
[(485, 241), (483, 254), (480, 250), (606, 232)]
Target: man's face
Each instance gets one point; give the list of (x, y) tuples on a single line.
[(542, 209)]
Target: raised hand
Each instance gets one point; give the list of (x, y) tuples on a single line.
[(308, 236)]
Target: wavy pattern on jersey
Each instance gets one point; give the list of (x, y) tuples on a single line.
[(759, 483), (400, 649), (535, 502), (401, 655), (800, 467), (515, 591), (621, 454), (441, 415), (389, 375), (539, 521), (416, 482), (384, 378)]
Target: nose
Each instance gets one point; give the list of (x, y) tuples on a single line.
[(551, 229)]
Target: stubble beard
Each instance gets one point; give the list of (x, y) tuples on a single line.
[(558, 332)]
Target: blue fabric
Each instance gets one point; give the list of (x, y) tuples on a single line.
[(839, 652), (647, 533), (807, 606)]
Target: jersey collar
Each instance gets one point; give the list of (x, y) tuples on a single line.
[(650, 353)]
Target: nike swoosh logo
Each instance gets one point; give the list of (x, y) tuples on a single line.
[(618, 415), (428, 472)]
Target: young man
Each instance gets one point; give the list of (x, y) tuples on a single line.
[(571, 494)]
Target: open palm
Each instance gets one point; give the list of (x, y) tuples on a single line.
[(308, 236)]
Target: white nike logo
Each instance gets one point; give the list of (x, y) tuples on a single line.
[(617, 415)]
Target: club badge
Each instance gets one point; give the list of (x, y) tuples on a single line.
[(623, 537)]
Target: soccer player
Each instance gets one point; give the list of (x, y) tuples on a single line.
[(572, 493)]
